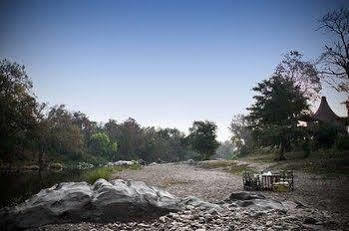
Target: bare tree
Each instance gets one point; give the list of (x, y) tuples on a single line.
[(303, 73), (334, 61)]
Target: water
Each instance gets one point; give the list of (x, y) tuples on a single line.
[(17, 187)]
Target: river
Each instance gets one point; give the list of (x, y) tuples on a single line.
[(17, 187)]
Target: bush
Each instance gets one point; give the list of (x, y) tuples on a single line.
[(325, 135), (342, 143), (106, 172), (94, 175)]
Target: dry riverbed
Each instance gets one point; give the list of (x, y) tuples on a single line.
[(329, 193), (322, 200)]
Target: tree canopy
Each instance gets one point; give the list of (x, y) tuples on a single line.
[(274, 116), (202, 138)]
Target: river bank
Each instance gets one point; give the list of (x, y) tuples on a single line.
[(322, 198)]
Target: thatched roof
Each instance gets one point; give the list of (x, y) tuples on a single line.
[(324, 113)]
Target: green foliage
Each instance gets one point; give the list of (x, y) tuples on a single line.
[(324, 135), (342, 142), (100, 144), (274, 116), (202, 138), (18, 109), (106, 172), (147, 143)]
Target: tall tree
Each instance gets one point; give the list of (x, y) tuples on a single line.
[(274, 116), (18, 107), (334, 60), (241, 134), (65, 137), (202, 138)]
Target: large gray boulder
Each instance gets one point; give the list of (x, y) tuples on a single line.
[(101, 202)]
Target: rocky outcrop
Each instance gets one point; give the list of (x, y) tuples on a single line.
[(101, 202)]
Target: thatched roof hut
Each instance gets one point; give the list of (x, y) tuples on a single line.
[(325, 114)]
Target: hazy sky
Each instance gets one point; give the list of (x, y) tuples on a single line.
[(164, 63)]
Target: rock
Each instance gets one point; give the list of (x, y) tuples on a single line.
[(121, 163), (261, 204), (196, 202), (101, 202), (141, 162), (243, 195), (32, 167), (253, 201), (310, 220), (84, 165), (190, 161), (55, 166), (162, 219)]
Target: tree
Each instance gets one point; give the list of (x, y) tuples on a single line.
[(202, 138), (100, 144), (129, 136), (334, 60), (241, 134), (18, 107), (225, 150), (303, 73), (274, 115)]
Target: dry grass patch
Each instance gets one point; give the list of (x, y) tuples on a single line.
[(227, 165)]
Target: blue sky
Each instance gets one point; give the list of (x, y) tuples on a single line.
[(164, 63)]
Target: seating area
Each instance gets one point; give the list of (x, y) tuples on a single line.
[(280, 181)]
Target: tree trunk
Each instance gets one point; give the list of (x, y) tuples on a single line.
[(281, 155), (41, 158)]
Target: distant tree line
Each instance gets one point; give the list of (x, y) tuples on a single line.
[(282, 101), (31, 130)]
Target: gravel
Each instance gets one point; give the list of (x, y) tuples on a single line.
[(187, 180), (327, 193), (322, 202)]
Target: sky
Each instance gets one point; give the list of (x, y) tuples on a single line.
[(164, 63)]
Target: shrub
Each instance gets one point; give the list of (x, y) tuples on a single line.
[(104, 172), (325, 135), (342, 142)]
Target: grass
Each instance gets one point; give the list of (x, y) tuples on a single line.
[(327, 162), (227, 165), (106, 172)]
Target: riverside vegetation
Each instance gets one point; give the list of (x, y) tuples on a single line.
[(35, 136)]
